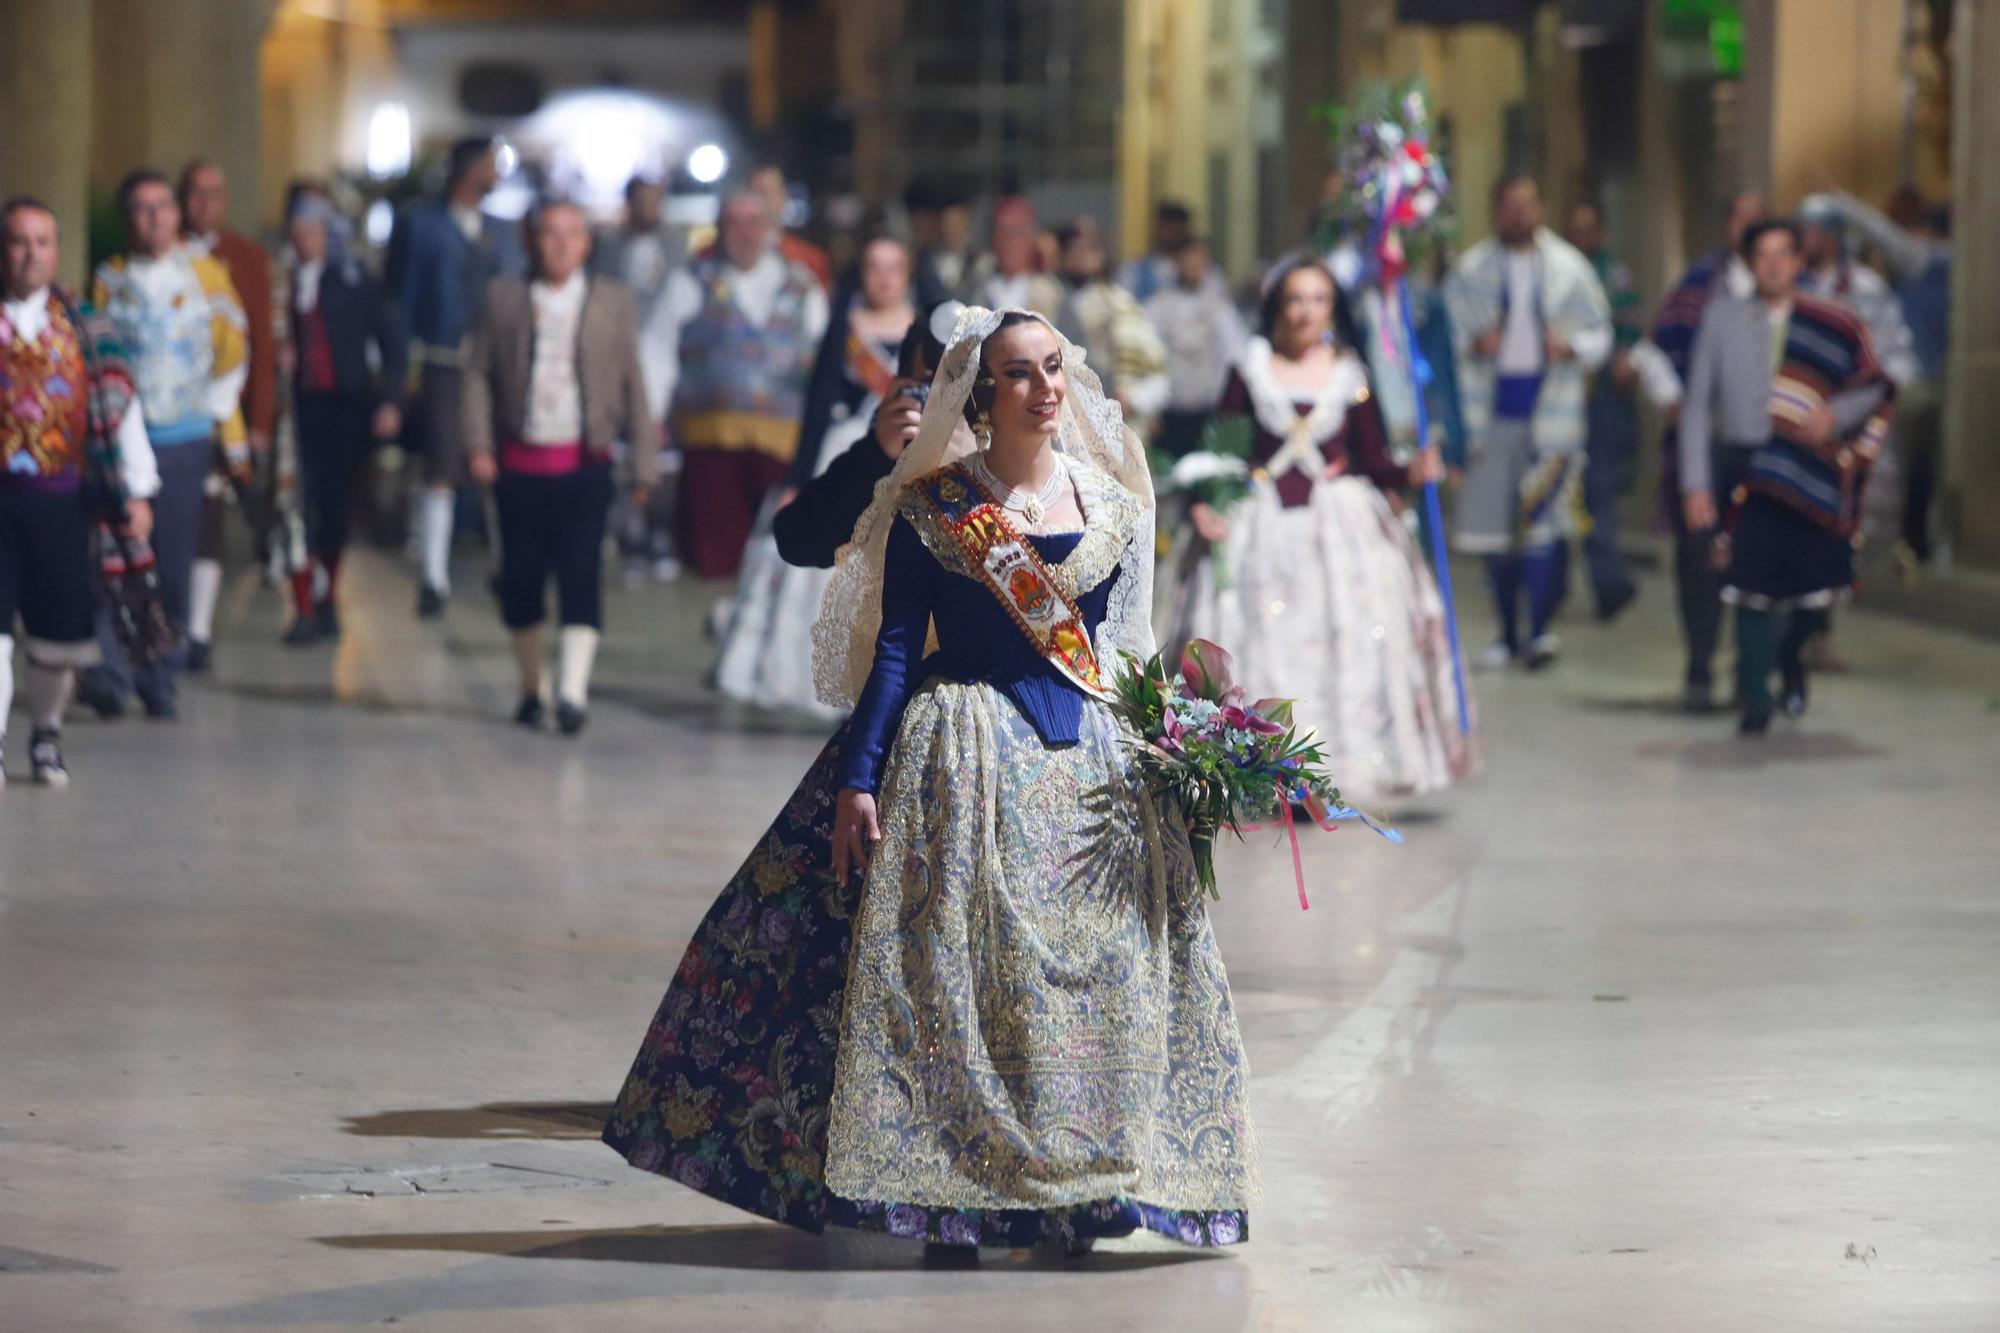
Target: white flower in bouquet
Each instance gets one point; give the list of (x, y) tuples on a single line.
[(1199, 468)]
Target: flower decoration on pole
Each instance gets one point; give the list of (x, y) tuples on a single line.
[(1394, 193)]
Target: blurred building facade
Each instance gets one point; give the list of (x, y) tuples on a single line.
[(1658, 108)]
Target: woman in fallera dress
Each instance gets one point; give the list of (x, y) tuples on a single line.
[(965, 989), (1313, 581)]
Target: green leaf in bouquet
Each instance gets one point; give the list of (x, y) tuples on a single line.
[(1231, 436)]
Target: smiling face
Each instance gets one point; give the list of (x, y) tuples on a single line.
[(1025, 363)]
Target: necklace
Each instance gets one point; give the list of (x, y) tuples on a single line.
[(1031, 505)]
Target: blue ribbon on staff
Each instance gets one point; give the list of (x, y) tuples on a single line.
[(1420, 381)]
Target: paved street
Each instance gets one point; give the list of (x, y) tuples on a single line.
[(314, 1002)]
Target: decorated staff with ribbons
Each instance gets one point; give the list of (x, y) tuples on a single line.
[(916, 1008)]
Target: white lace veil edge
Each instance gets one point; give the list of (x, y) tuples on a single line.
[(1093, 429)]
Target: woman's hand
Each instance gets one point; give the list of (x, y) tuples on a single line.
[(855, 831), (1212, 527), (897, 420), (1427, 466), (1334, 470)]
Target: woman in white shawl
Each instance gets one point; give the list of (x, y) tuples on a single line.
[(1312, 580)]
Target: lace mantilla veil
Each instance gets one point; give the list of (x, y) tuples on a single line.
[(1093, 430)]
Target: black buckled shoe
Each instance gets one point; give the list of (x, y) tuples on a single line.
[(45, 758)]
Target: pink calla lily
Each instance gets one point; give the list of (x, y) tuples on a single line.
[(1208, 670), (1277, 710), (1244, 720)]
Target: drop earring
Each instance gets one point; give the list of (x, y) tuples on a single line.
[(982, 429)]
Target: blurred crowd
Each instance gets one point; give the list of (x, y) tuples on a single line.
[(561, 390)]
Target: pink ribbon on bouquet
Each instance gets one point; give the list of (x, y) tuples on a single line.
[(1321, 816)]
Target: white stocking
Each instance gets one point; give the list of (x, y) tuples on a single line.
[(204, 591), (437, 518), (576, 653), (47, 690), (6, 681)]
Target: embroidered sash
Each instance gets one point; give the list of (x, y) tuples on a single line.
[(867, 365), (1007, 563)]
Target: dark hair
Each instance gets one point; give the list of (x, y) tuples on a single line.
[(133, 180), (1346, 328), (981, 399), (186, 181), (1274, 292), (22, 203), (922, 349), (463, 156), (1763, 227), (1508, 180), (1173, 210), (639, 182)]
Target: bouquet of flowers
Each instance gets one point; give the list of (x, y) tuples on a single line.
[(1227, 763)]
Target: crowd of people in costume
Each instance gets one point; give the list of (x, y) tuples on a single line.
[(665, 396), (964, 990)]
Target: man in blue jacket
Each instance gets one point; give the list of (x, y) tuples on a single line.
[(441, 257)]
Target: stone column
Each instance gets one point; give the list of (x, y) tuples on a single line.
[(45, 104), (1971, 499), (1822, 95), (174, 82)]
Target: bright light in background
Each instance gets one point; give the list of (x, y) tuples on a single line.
[(389, 144), (590, 144), (506, 159), (708, 163), (379, 221)]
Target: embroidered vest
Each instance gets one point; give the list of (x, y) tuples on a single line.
[(171, 344), (743, 386), (44, 406)]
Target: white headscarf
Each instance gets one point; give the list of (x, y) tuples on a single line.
[(1092, 428)]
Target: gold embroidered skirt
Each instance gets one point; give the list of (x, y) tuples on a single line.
[(1036, 1012)]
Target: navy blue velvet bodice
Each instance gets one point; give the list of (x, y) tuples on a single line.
[(977, 640)]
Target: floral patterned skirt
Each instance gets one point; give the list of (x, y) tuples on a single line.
[(1033, 1042)]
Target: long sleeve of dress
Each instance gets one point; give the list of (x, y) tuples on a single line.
[(1368, 448), (909, 585), (826, 388), (811, 529)]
